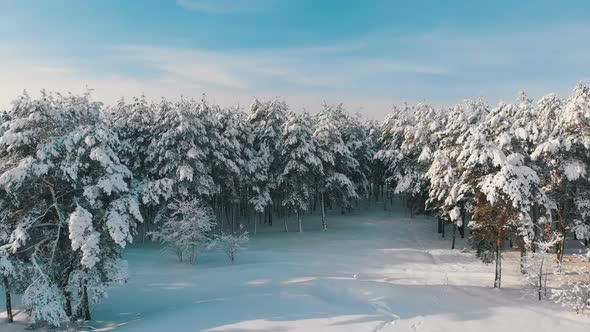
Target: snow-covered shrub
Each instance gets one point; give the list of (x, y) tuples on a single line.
[(186, 231), (230, 244), (537, 265), (574, 292), (44, 302)]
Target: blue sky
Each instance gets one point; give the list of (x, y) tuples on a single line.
[(368, 54)]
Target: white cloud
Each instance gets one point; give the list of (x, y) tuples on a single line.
[(35, 75), (233, 69), (364, 73), (303, 68), (194, 66)]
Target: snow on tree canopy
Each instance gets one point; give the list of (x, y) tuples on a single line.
[(45, 302), (83, 236), (455, 216), (574, 169), (513, 183), (6, 266)]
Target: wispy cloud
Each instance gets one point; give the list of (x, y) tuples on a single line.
[(235, 69), (369, 72), (199, 67), (227, 6), (304, 68), (35, 74), (389, 65)]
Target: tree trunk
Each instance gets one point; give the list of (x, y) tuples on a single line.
[(444, 222), (234, 216), (561, 244), (454, 236), (440, 226), (256, 222), (230, 218), (522, 254), (545, 283), (299, 221), (562, 219), (285, 223), (535, 217), (462, 228), (9, 317), (499, 245), (498, 278), (315, 198), (69, 308), (86, 305), (391, 201), (324, 225), (541, 278), (561, 248), (60, 221)]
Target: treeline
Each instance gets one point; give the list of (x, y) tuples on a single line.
[(79, 180), (515, 174)]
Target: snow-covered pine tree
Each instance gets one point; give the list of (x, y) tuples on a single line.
[(376, 172), (254, 179), (494, 168), (391, 138), (267, 119), (565, 154), (177, 156), (226, 163), (445, 197), (72, 211), (300, 163), (136, 124), (410, 137), (530, 126), (6, 261), (27, 126), (355, 134), (338, 163)]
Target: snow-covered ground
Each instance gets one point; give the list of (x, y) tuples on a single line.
[(371, 271)]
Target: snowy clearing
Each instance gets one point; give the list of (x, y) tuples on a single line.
[(371, 271)]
